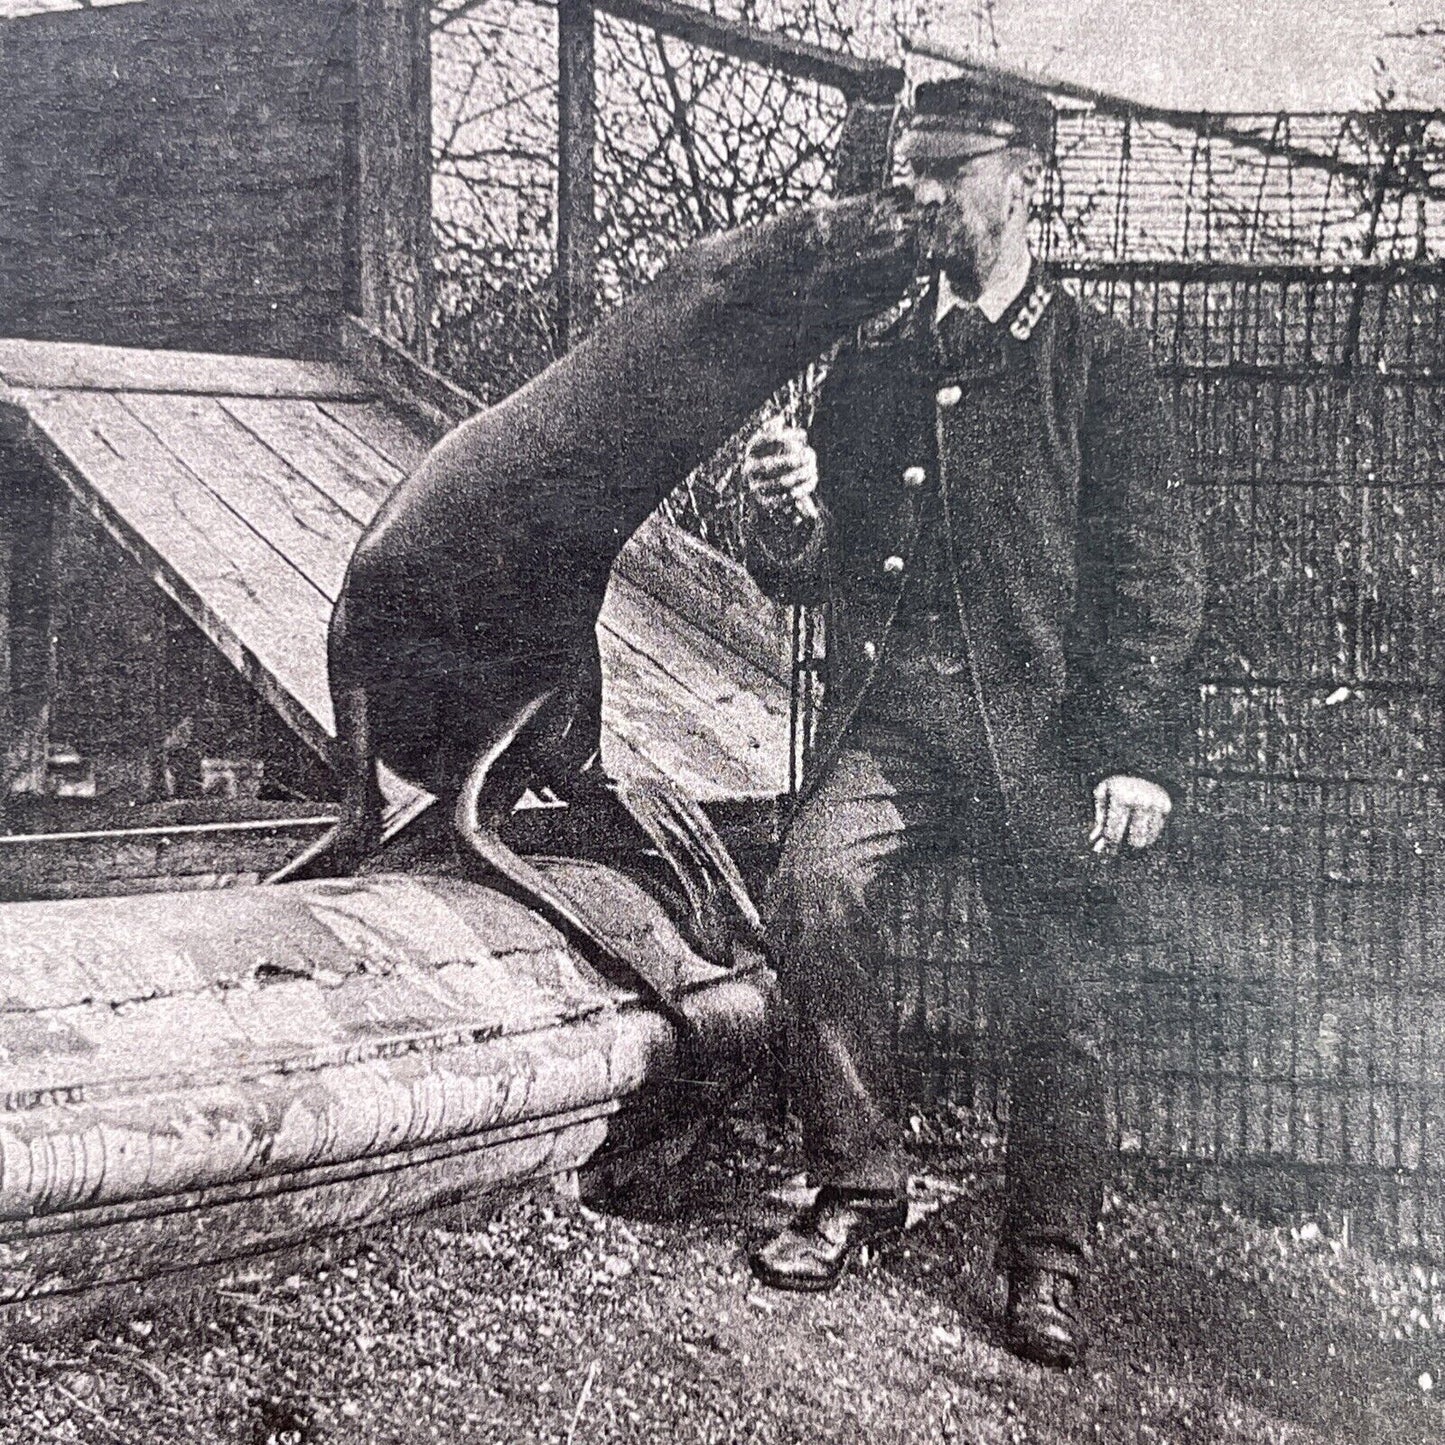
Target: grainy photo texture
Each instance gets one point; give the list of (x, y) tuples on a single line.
[(722, 721)]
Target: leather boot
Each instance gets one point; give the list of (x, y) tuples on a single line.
[(813, 1250), (1043, 1322)]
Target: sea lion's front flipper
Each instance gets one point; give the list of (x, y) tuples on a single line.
[(357, 834)]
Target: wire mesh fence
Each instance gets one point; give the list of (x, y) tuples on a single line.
[(689, 141), (1276, 986), (494, 191), (1279, 1018), (1248, 188)]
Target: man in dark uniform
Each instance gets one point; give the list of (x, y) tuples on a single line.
[(989, 503)]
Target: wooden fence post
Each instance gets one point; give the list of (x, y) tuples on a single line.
[(864, 152), (394, 169), (576, 182)]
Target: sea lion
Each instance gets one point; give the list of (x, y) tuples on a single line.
[(466, 619)]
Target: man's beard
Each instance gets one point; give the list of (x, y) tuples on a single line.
[(948, 247), (962, 273), (955, 255), (968, 255)]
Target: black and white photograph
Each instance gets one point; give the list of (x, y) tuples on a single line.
[(723, 722)]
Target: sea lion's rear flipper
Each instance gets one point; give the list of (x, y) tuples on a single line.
[(722, 909), (484, 803)]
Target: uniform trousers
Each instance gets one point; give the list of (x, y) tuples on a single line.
[(914, 783)]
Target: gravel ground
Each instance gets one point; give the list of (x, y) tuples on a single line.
[(538, 1319)]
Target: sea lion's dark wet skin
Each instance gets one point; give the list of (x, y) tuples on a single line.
[(482, 576), (475, 591)]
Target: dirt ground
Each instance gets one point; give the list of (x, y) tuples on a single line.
[(536, 1318)]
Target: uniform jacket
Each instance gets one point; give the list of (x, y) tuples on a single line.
[(1023, 475)]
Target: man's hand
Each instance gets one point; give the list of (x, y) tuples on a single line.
[(1131, 809), (781, 469)]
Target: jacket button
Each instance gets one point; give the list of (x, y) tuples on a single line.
[(893, 566), (870, 651), (914, 477), (949, 396)]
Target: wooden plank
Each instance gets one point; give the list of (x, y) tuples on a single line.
[(640, 709), (240, 509), (261, 614), (437, 402), (383, 429), (333, 459), (307, 530), (55, 366), (623, 756), (394, 125), (576, 181), (712, 592), (687, 705), (709, 675), (62, 821), (80, 864), (79, 887)]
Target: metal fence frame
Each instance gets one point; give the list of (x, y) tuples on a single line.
[(868, 87)]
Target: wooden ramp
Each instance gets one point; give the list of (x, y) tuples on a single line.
[(201, 1076), (241, 485)]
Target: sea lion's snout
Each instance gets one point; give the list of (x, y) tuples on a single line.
[(870, 248), (820, 264), (878, 226), (928, 217)]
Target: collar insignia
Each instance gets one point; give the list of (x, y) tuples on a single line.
[(1022, 326)]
